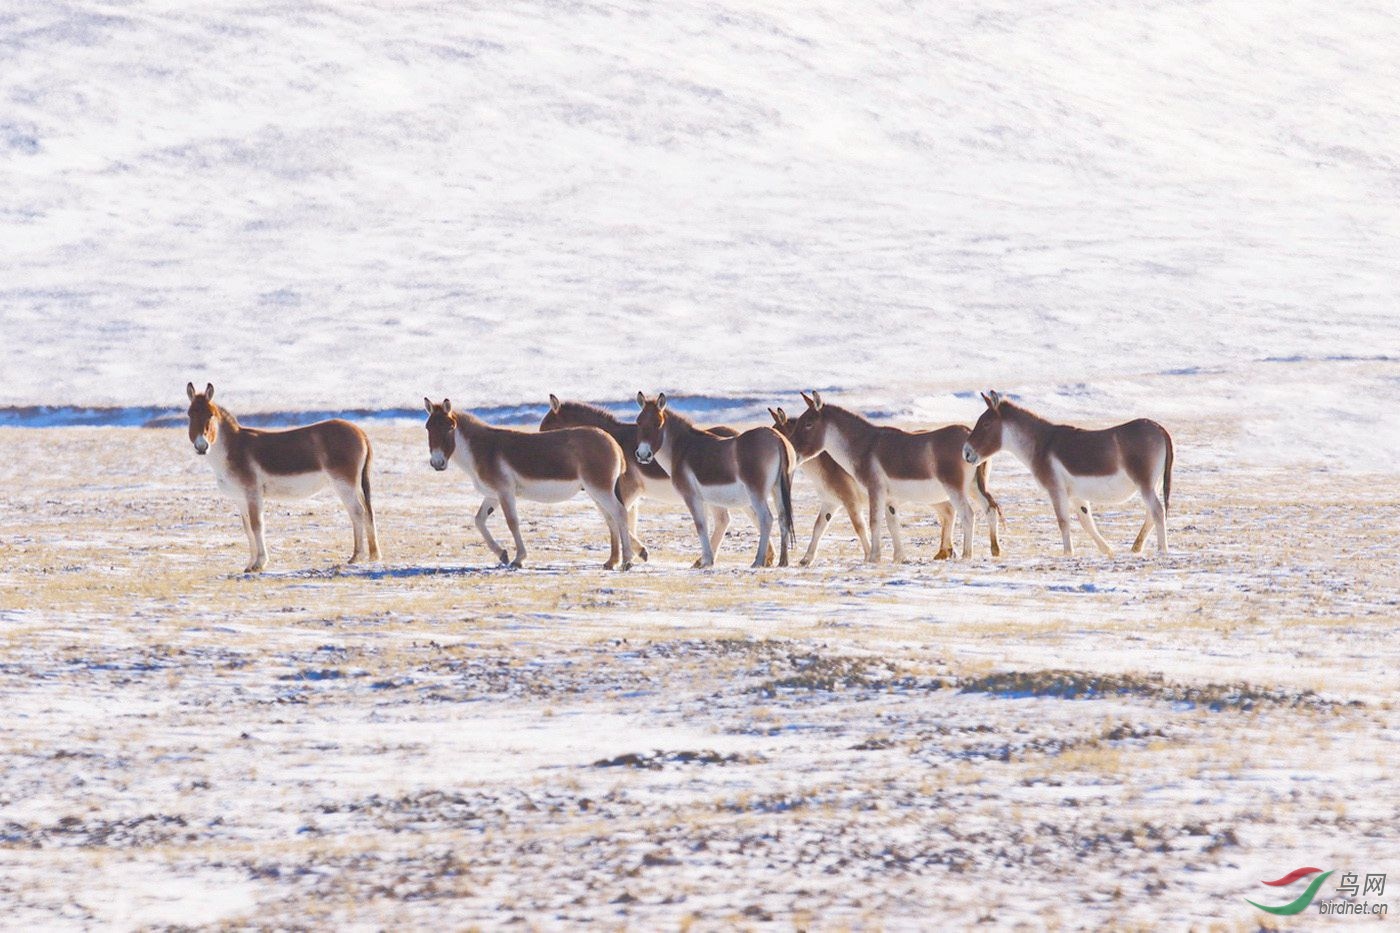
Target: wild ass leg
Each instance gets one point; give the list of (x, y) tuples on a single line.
[(763, 516), (768, 554), (818, 529), (896, 533), (1157, 514), (1086, 518), (631, 501), (968, 519), (613, 549), (638, 547), (354, 501), (489, 505), (852, 504), (945, 530), (720, 517), (512, 517), (877, 514), (254, 512), (1063, 507), (616, 517), (698, 513)]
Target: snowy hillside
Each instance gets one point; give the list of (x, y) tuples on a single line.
[(325, 205)]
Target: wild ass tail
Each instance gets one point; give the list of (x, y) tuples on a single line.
[(364, 482), (785, 494), (1167, 475), (980, 476)]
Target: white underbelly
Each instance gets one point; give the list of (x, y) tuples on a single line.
[(547, 490), (661, 490), (915, 490), (299, 486), (727, 495), (1098, 490)]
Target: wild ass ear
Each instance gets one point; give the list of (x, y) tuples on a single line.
[(783, 415), (554, 403), (992, 400), (209, 392), (661, 401), (427, 405), (447, 405), (808, 399), (641, 399), (778, 416), (817, 397), (996, 398), (189, 390)]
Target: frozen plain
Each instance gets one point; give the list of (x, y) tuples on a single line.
[(1109, 209)]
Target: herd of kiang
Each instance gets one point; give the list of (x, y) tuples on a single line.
[(869, 470)]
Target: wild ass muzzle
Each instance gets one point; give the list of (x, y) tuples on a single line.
[(251, 466), (835, 487), (897, 466), (640, 481), (1081, 468), (728, 472), (507, 465)]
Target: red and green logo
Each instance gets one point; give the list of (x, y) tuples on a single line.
[(1304, 899)]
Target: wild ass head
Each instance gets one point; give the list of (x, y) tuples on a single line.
[(985, 438), (808, 432), (442, 432), (651, 426), (204, 427)]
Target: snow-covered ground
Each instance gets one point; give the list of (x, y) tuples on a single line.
[(1028, 741), (357, 204)]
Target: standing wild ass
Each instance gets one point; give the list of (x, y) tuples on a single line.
[(641, 481), (835, 487), (1080, 468), (505, 464), (729, 472), (251, 466), (900, 466)]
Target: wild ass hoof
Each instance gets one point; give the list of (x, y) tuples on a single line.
[(996, 550), (517, 563), (505, 556), (944, 553), (642, 555), (701, 564), (805, 562), (625, 565), (255, 567), (783, 562)]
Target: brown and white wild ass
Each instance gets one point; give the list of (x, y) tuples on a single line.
[(835, 487), (251, 466), (506, 465), (897, 466), (729, 472), (641, 481), (1081, 469)]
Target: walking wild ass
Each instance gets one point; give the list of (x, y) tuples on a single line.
[(835, 487), (729, 472), (641, 481), (900, 466), (1079, 468), (251, 466), (506, 465)]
